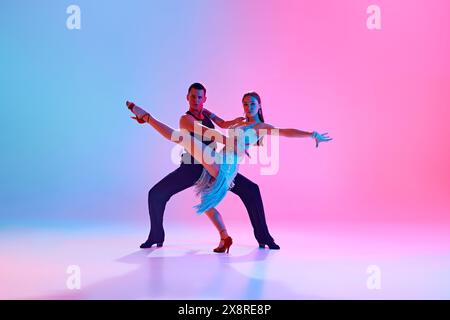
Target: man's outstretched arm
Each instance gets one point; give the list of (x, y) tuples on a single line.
[(188, 123), (220, 122)]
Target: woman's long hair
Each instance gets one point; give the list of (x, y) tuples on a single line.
[(260, 113)]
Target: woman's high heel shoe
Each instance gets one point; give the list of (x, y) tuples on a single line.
[(140, 119), (227, 242)]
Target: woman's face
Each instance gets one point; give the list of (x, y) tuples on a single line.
[(251, 106)]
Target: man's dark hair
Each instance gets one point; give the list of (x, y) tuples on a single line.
[(197, 86)]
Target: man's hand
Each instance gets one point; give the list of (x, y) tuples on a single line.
[(237, 120), (220, 122)]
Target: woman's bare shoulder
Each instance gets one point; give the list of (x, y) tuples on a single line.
[(263, 125)]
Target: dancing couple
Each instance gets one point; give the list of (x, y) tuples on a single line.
[(217, 173)]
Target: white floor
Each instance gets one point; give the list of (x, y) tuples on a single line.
[(315, 262)]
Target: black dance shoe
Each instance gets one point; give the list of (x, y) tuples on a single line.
[(272, 245), (150, 243)]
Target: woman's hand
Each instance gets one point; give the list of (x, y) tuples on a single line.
[(142, 116), (320, 137)]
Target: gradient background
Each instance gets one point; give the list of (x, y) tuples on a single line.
[(70, 153)]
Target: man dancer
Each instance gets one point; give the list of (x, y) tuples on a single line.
[(190, 170)]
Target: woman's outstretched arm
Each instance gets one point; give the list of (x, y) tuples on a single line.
[(294, 133), (290, 133)]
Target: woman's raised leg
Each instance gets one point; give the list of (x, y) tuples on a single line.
[(192, 145)]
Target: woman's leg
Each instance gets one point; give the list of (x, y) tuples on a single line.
[(217, 220), (192, 145)]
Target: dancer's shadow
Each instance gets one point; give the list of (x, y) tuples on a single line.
[(177, 273)]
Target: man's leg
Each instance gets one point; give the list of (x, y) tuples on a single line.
[(250, 195), (180, 179)]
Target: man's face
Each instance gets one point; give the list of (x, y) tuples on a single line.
[(196, 99)]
